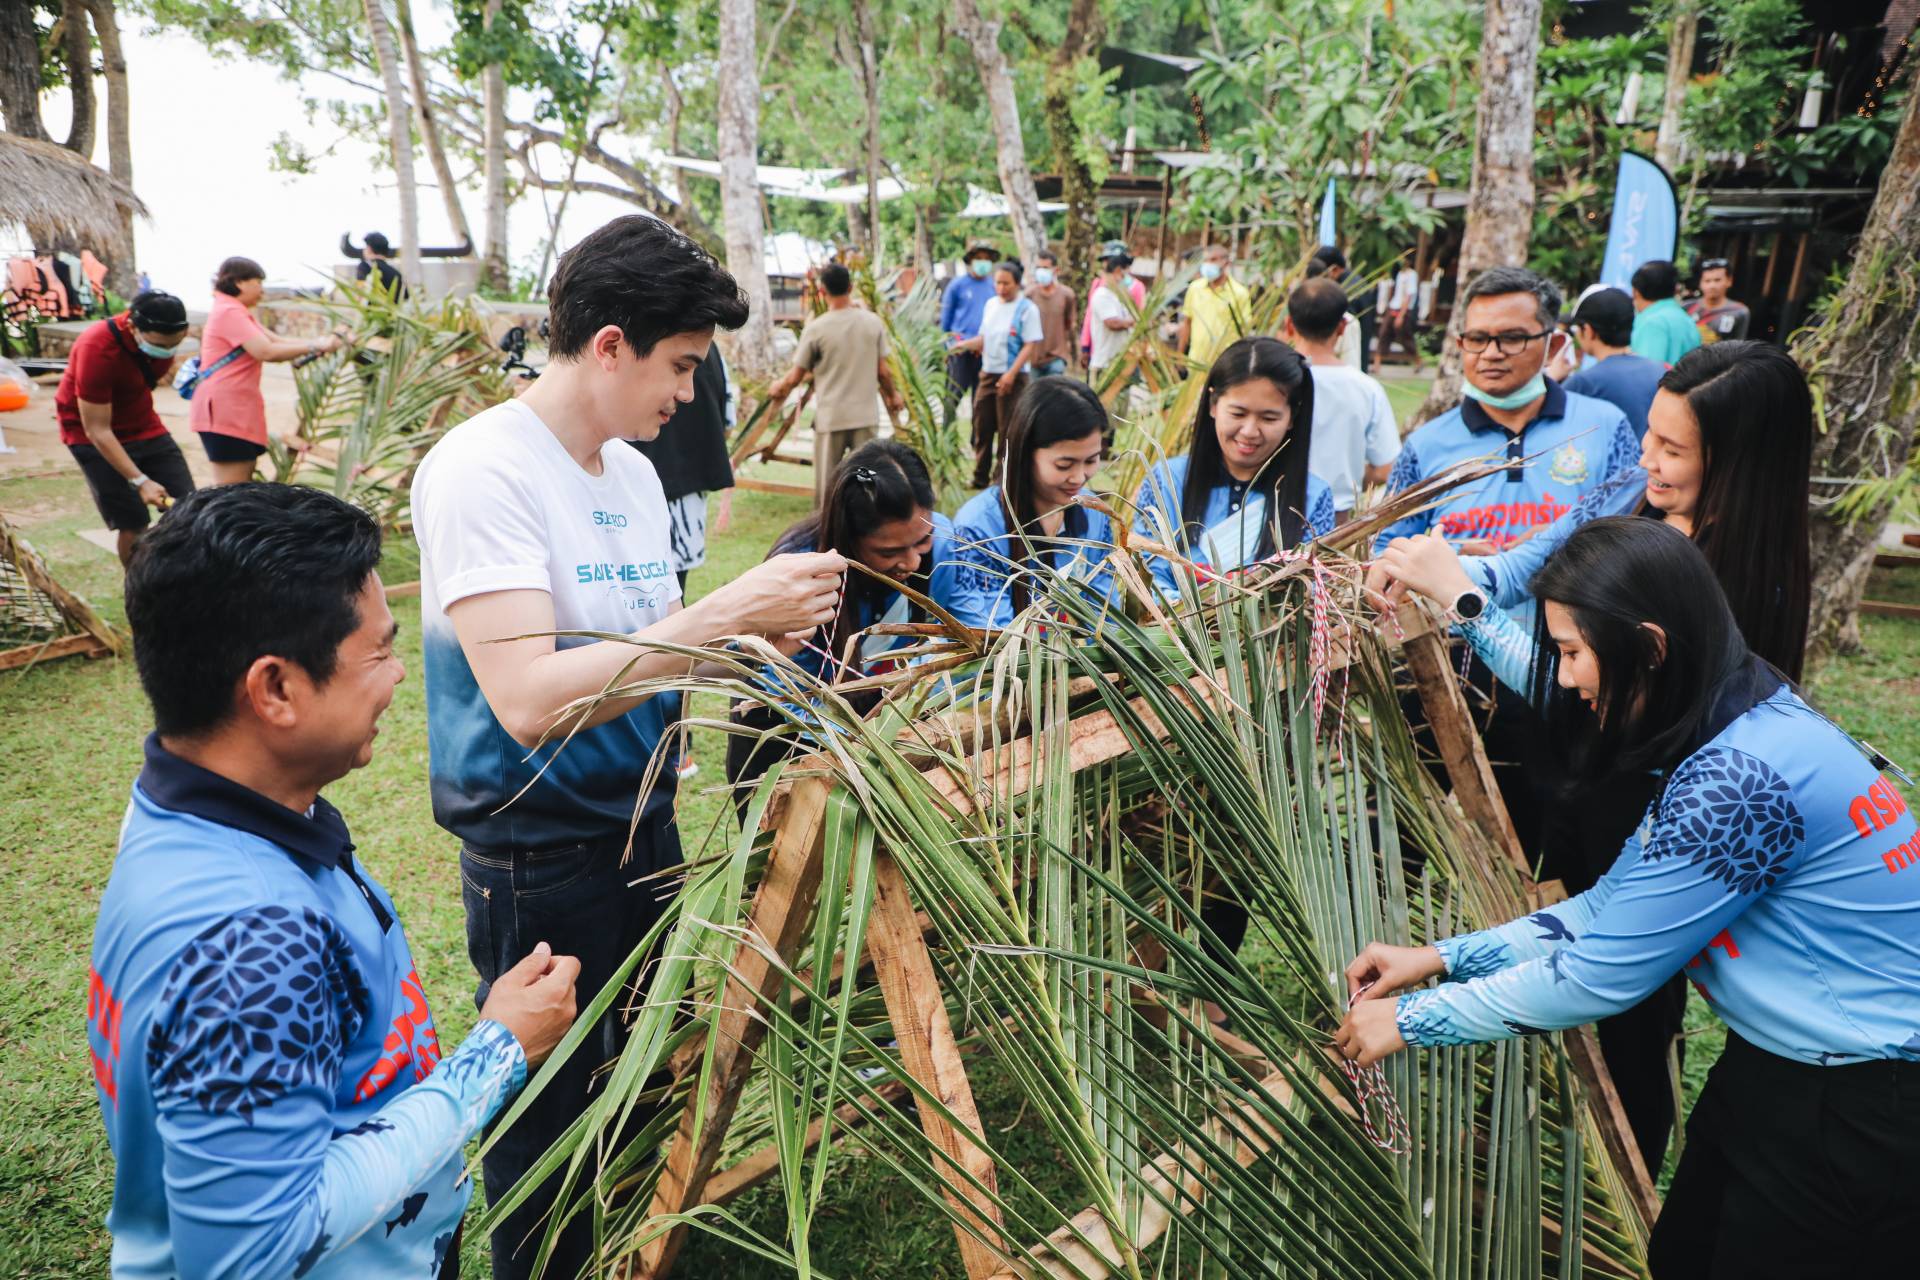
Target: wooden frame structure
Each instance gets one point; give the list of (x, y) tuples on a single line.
[(780, 920), (22, 570)]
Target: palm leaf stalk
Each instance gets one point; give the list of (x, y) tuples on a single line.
[(1061, 807)]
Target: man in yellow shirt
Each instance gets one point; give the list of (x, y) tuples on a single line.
[(1217, 310)]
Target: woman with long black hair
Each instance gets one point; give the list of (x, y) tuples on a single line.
[(1008, 534), (1776, 867), (879, 511), (1725, 460), (1242, 491)]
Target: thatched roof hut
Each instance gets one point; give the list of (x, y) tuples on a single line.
[(57, 195)]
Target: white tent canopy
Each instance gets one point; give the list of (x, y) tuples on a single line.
[(832, 186), (982, 203)]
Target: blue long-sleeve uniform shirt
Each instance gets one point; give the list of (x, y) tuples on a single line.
[(263, 1054), (963, 303), (1157, 511), (985, 553), (1575, 442), (1504, 575), (1776, 869), (943, 567)]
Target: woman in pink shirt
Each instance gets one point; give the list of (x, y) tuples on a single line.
[(227, 408)]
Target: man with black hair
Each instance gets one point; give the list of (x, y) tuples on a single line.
[(1330, 262), (535, 517), (376, 258), (1603, 325), (107, 420), (263, 1055), (1059, 315), (1717, 316), (1662, 329), (1355, 437), (844, 351)]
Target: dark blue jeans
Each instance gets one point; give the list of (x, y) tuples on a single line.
[(583, 902)]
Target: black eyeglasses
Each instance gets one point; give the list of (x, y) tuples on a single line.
[(1511, 344)]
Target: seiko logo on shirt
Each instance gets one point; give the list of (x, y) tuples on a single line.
[(610, 519), (645, 571)]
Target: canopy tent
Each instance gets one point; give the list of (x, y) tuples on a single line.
[(831, 186), (1139, 70), (982, 203)]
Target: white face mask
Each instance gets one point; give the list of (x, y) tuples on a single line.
[(1043, 275), (1209, 271)]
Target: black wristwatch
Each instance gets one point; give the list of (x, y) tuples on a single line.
[(1469, 604)]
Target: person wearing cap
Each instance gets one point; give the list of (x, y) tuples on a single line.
[(1603, 326), (1217, 309), (1717, 315), (960, 310), (1111, 253), (1662, 329), (107, 420), (376, 256)]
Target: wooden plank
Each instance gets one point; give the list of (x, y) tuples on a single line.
[(1890, 609), (918, 1011), (38, 576), (782, 910), (1460, 748), (400, 590), (752, 485), (744, 1174), (1610, 1117), (1895, 560), (66, 646)]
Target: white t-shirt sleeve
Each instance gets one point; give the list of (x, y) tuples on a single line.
[(1032, 328), (1383, 433), (478, 521)]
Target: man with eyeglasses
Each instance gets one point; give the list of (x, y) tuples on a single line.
[(1716, 315)]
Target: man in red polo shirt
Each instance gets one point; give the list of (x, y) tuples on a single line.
[(107, 419)]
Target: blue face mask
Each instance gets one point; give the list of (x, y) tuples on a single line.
[(1531, 390), (1043, 275), (157, 352), (1209, 271), (981, 268)]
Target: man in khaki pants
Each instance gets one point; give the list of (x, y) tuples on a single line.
[(845, 351)]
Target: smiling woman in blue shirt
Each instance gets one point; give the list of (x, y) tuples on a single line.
[(1243, 491), (1775, 868)]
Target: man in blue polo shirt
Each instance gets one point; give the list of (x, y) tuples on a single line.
[(264, 1058)]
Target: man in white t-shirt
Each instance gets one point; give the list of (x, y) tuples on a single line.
[(1009, 341), (1355, 437), (1114, 316), (535, 516)]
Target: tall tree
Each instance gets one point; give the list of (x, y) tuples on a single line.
[(739, 139), (982, 35), (121, 276), (1683, 33), (1865, 357), (423, 118), (869, 49), (20, 78), (493, 153), (76, 43), (1500, 194), (1079, 188), (399, 137)]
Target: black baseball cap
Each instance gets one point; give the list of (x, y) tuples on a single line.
[(157, 312)]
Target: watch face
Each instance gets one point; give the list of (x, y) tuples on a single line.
[(1469, 606)]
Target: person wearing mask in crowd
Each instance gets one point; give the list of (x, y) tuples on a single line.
[(1110, 252), (1603, 328), (1355, 436), (1215, 310), (1059, 316), (104, 405), (844, 350), (690, 457), (960, 309), (1009, 342), (1245, 489), (264, 1055), (1330, 262), (1775, 870), (1558, 446), (376, 263), (1029, 522), (879, 512), (1715, 314), (533, 517), (1662, 329), (1725, 460), (227, 408), (1112, 315)]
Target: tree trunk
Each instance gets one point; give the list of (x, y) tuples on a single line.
[(20, 70), (923, 241), (739, 138), (870, 91), (122, 277), (429, 127), (399, 140), (495, 272), (1865, 355), (1500, 196), (76, 39), (1681, 37), (1016, 180), (1085, 29)]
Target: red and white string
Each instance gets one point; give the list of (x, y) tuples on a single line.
[(1379, 1107)]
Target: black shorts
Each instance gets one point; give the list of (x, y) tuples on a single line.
[(159, 459), (224, 448)]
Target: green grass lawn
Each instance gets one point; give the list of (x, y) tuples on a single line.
[(70, 735)]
